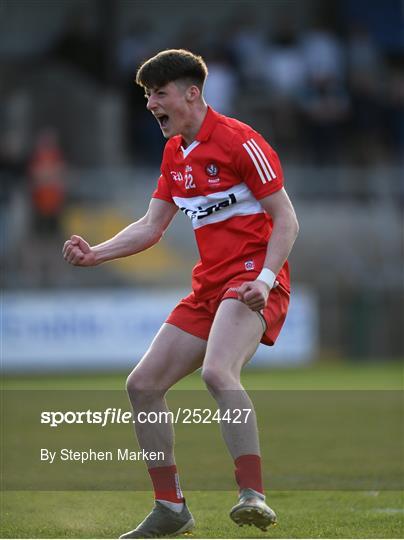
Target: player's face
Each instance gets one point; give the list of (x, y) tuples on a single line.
[(169, 106)]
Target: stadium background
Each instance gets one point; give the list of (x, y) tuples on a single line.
[(80, 154), (324, 82)]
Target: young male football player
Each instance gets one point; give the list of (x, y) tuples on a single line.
[(227, 179)]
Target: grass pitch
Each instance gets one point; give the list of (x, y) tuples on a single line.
[(301, 514), (109, 514)]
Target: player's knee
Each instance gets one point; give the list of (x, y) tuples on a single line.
[(136, 383), (217, 379), (141, 386)]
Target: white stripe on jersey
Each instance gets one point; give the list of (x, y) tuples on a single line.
[(258, 155), (264, 158), (264, 169), (255, 163), (219, 206)]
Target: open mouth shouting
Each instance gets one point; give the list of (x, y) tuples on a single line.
[(162, 119)]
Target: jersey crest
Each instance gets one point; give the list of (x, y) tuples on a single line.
[(212, 169)]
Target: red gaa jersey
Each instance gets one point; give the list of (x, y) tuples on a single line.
[(217, 181)]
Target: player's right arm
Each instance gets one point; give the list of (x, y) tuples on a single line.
[(135, 238)]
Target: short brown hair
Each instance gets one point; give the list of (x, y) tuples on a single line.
[(172, 65)]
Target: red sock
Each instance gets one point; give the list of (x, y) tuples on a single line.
[(248, 472), (166, 484)]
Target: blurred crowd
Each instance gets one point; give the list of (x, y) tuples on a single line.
[(322, 81), (325, 94), (322, 97)]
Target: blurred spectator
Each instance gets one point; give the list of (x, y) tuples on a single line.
[(247, 45), (323, 53), (285, 77), (133, 47), (46, 170), (325, 106), (284, 68), (221, 84), (365, 70)]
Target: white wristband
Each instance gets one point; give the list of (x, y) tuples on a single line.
[(267, 276)]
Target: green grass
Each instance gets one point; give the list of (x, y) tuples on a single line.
[(301, 514), (332, 376), (109, 514)]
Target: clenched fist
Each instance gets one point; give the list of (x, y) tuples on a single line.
[(254, 294), (78, 252)]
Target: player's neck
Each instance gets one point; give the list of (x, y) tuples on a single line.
[(194, 124)]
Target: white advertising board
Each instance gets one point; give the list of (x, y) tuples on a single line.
[(109, 329)]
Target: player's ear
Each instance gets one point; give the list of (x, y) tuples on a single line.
[(192, 93)]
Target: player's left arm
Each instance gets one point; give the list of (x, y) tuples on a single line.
[(285, 230)]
